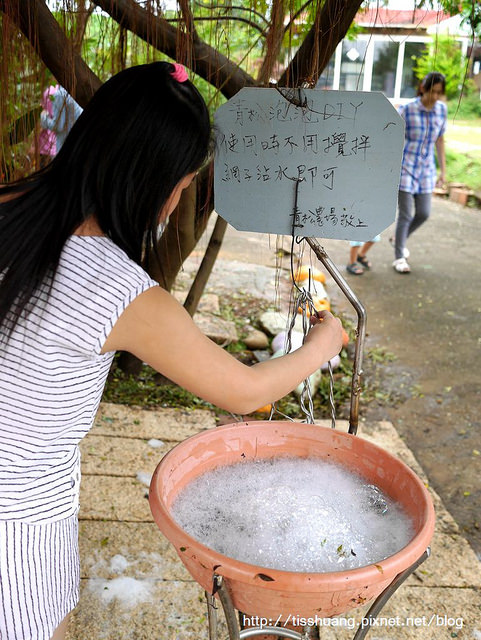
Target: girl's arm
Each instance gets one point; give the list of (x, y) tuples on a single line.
[(440, 151), (158, 330)]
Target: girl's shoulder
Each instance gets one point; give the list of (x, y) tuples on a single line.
[(102, 257)]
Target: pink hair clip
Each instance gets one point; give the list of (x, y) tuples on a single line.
[(180, 74)]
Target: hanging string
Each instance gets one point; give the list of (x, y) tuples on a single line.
[(305, 304)]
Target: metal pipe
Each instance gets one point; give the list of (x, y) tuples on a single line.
[(228, 607), (279, 632), (211, 615), (381, 600), (321, 254)]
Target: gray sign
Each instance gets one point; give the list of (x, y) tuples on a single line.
[(308, 162)]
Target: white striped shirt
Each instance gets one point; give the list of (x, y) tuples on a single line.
[(52, 375)]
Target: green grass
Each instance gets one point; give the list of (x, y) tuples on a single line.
[(147, 390), (463, 168), (463, 152)]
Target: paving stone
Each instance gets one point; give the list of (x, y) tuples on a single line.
[(147, 551), (114, 498), (120, 456), (164, 424), (163, 610)]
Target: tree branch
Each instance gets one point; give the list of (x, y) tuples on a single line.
[(39, 26), (224, 18), (330, 26), (208, 63), (216, 7), (295, 15)]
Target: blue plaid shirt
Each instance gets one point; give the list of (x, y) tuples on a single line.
[(423, 128)]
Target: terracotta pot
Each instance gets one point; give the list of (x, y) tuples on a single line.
[(269, 592)]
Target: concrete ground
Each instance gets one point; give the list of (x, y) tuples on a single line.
[(133, 586)]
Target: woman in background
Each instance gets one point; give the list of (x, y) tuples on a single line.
[(425, 119)]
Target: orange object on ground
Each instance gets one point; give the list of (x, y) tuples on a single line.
[(265, 409), (320, 304), (269, 592), (303, 274)]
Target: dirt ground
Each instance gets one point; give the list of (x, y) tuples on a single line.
[(431, 321)]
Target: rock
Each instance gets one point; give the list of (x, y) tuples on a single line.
[(279, 342), (313, 381), (221, 331), (274, 322), (261, 355), (255, 339), (209, 303), (335, 362)]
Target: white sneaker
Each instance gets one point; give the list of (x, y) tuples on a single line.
[(401, 266), (406, 252)]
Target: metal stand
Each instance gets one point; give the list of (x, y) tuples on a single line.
[(360, 331), (236, 633)]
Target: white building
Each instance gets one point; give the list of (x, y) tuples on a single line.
[(381, 57)]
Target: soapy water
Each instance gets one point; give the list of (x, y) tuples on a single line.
[(293, 514)]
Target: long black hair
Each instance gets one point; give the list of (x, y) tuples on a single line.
[(140, 134)]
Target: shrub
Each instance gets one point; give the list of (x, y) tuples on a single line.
[(444, 55)]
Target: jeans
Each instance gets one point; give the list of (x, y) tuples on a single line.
[(407, 223)]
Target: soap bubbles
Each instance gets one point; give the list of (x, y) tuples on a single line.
[(293, 514)]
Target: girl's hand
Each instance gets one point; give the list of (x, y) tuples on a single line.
[(325, 332)]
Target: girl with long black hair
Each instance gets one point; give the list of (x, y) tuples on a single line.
[(72, 292)]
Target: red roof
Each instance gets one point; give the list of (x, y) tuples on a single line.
[(400, 18)]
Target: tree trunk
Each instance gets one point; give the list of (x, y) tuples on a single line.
[(329, 28), (36, 22), (196, 290)]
